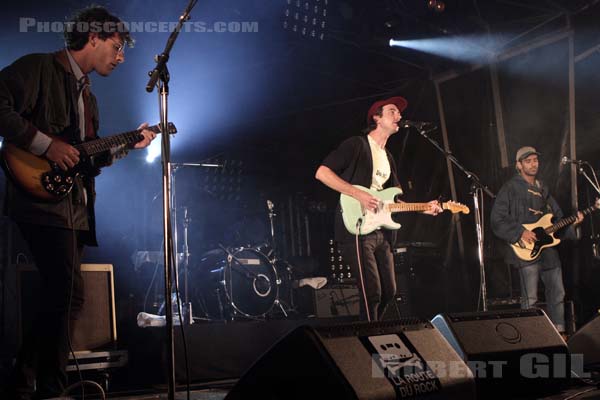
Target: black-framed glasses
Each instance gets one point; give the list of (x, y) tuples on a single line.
[(119, 47)]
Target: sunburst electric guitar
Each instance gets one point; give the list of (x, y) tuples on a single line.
[(544, 231), (362, 221), (45, 180)]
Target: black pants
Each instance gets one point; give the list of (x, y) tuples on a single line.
[(45, 350), (378, 272)]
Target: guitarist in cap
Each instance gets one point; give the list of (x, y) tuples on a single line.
[(523, 200), (364, 160), (45, 103)]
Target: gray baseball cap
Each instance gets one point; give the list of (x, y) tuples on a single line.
[(525, 152)]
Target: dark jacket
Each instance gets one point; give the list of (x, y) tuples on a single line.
[(519, 203), (353, 162), (38, 92)]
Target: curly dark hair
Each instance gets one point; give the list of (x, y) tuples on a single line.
[(372, 124), (94, 19)]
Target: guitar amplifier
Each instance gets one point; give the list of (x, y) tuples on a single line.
[(96, 327), (331, 301), (420, 284)]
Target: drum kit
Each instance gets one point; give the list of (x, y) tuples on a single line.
[(242, 282)]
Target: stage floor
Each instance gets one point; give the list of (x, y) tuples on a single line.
[(579, 393)]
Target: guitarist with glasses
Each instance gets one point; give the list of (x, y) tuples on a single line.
[(365, 161), (524, 200), (46, 105)]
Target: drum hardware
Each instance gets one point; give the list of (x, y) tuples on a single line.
[(278, 262), (236, 282), (187, 306), (243, 282)]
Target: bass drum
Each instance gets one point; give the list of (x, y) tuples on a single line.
[(243, 283)]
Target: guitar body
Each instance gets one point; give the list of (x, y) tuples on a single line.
[(531, 251), (45, 180), (357, 220), (26, 170)]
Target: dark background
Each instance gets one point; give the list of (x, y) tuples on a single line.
[(271, 104)]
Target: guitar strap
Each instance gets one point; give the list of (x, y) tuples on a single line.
[(395, 181), (545, 196)]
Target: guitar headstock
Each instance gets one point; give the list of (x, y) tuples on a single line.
[(156, 128), (455, 207), (171, 128)]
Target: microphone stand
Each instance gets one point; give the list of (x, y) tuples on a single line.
[(581, 171), (477, 190), (160, 73)]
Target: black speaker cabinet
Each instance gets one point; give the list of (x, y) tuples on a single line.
[(96, 327), (586, 341), (384, 360), (510, 352)]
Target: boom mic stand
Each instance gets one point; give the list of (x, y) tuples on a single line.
[(594, 183), (477, 190), (160, 73), (596, 187)]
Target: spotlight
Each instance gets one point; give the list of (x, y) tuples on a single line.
[(431, 4), (153, 151)]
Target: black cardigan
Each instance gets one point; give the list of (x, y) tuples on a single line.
[(353, 162), (38, 92)]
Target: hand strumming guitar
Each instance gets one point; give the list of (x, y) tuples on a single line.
[(63, 154)]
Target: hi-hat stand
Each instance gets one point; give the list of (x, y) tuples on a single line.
[(186, 309), (275, 260)]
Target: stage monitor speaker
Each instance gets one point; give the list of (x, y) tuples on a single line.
[(383, 360), (96, 327), (586, 341), (510, 353)]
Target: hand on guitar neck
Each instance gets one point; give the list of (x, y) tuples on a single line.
[(148, 137), (67, 156), (579, 219)]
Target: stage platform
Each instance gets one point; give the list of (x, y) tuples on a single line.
[(220, 352)]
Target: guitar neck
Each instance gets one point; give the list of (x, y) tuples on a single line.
[(408, 207), (567, 221), (97, 146)]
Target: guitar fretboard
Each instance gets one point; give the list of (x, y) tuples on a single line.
[(103, 144), (408, 207), (567, 221)]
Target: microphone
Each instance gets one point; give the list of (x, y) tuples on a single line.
[(405, 123), (566, 160)]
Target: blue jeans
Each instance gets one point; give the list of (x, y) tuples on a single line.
[(553, 289)]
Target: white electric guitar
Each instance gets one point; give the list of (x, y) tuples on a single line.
[(362, 221)]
